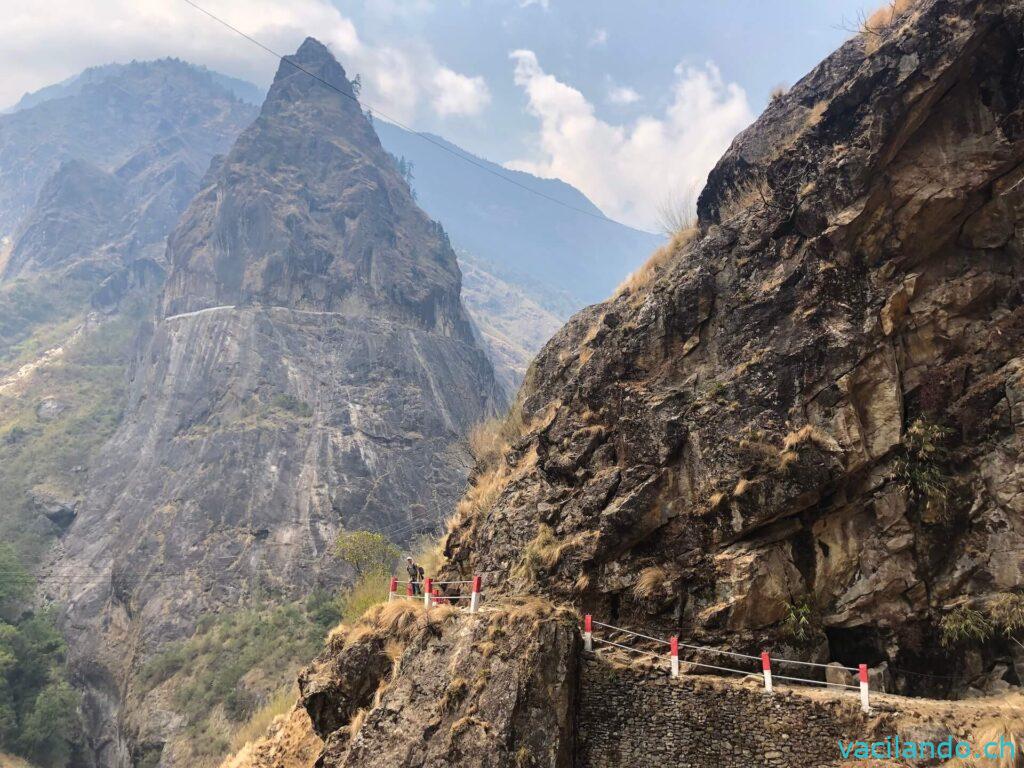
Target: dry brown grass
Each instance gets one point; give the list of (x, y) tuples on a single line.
[(741, 487), (481, 494), (454, 692), (806, 434), (582, 582), (464, 724), (650, 583), (996, 731), (814, 116), (256, 726), (356, 723), (650, 269), (881, 19), (778, 92), (545, 551), (786, 459), (490, 439), (288, 742)]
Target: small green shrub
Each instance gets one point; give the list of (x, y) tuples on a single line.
[(1006, 612), (292, 404), (964, 625), (920, 468), (798, 625)]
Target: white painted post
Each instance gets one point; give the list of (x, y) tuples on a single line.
[(474, 600), (766, 669), (426, 592), (393, 589), (588, 633), (674, 645), (865, 704)]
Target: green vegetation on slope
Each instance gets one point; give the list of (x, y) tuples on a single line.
[(37, 706), (50, 455), (234, 664), (35, 315)]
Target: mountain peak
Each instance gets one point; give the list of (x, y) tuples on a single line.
[(312, 58)]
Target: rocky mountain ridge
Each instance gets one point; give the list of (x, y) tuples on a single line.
[(808, 411), (798, 427), (311, 367)]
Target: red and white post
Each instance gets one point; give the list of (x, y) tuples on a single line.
[(393, 589), (865, 704), (674, 646), (474, 598), (427, 597), (766, 670), (588, 633)]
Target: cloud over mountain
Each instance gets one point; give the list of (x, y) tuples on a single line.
[(629, 169), (401, 80)]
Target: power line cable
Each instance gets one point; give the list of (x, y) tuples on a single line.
[(451, 151)]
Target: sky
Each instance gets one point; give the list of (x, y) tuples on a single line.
[(630, 102)]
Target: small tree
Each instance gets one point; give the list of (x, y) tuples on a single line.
[(357, 85), (367, 552), (15, 582)]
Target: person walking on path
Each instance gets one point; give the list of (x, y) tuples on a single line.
[(416, 574)]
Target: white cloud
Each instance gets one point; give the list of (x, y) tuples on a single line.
[(545, 4), (47, 42), (457, 94), (622, 94), (628, 170), (599, 37)]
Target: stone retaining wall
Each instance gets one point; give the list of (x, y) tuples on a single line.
[(629, 718)]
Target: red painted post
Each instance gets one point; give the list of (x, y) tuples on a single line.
[(393, 589), (409, 590), (427, 586), (674, 646), (588, 633), (865, 704), (474, 600), (766, 670)]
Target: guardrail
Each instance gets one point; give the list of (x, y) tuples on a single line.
[(765, 658), (431, 595)]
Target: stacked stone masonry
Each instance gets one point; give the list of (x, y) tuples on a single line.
[(630, 718)]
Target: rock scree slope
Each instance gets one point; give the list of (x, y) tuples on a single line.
[(311, 367)]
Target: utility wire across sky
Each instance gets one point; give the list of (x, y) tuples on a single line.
[(465, 158)]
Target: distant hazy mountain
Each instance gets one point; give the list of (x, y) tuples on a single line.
[(242, 89), (528, 236), (106, 116)]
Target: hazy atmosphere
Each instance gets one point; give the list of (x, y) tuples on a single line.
[(511, 384)]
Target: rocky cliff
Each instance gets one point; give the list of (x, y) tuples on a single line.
[(800, 425), (311, 367), (797, 427)]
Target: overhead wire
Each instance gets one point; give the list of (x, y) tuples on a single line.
[(425, 137)]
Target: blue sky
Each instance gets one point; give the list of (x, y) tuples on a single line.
[(757, 44), (630, 102)]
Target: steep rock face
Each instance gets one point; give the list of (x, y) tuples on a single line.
[(494, 690), (812, 409), (312, 368)]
